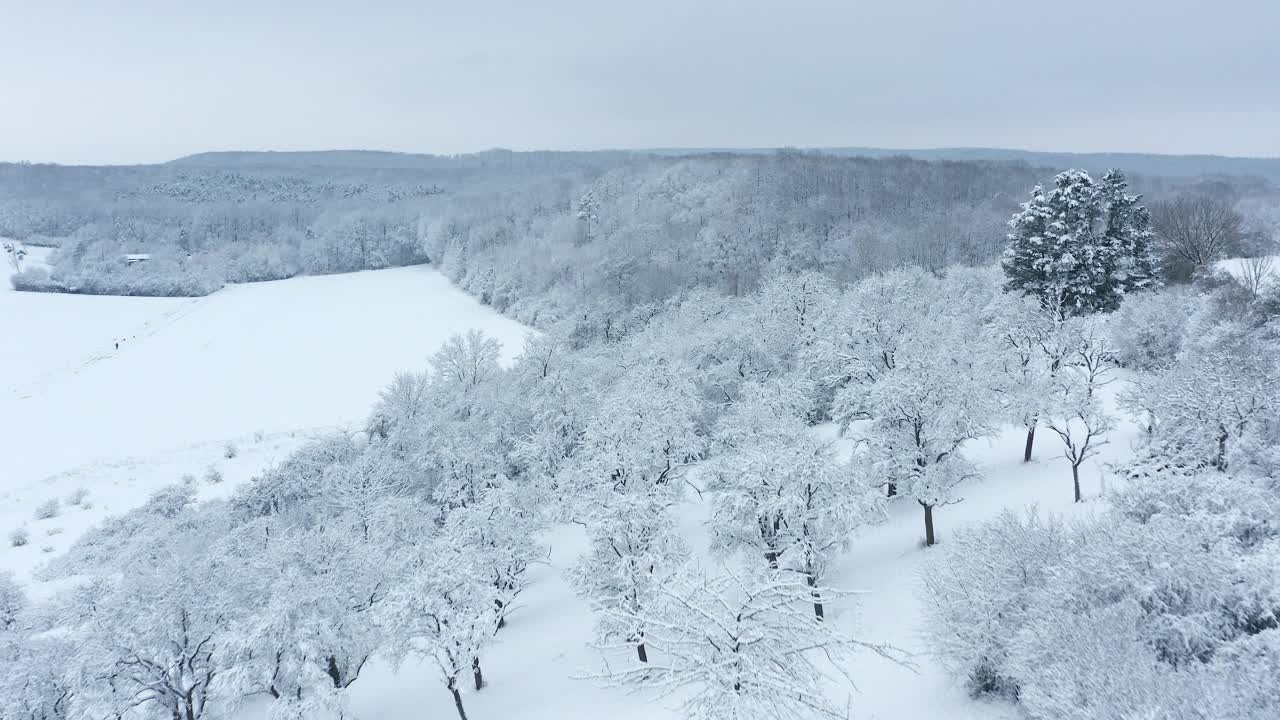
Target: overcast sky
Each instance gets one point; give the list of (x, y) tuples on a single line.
[(118, 81)]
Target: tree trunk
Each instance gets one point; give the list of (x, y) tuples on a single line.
[(641, 653), (334, 673), (1031, 439), (928, 525), (1075, 479), (817, 598), (771, 558), (893, 489), (457, 698), (476, 674)]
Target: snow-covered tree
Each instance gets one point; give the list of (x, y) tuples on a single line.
[(443, 613), (791, 313), (634, 548), (557, 387), (13, 601), (626, 474), (940, 393), (41, 680), (742, 646), (1028, 360), (780, 493), (312, 624), (1082, 425), (399, 405), (462, 366), (704, 331), (15, 253), (154, 639), (1073, 410), (878, 316), (358, 489), (39, 677), (588, 214), (644, 433), (1198, 409), (1149, 329), (1091, 355), (497, 534), (298, 481), (1128, 232), (977, 599), (461, 439), (1080, 246)]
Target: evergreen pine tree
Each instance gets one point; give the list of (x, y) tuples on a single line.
[(1130, 237), (1081, 246)]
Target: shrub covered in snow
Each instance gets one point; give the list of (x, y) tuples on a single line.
[(50, 508), (976, 601), (19, 537), (1222, 390), (1148, 330), (1132, 614), (12, 601)]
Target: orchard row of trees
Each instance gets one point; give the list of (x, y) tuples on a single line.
[(413, 540)]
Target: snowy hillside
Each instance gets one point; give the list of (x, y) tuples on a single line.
[(531, 670), (983, 494), (265, 366), (260, 366)]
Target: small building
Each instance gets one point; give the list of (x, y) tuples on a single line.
[(136, 258)]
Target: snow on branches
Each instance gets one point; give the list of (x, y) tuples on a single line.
[(744, 645), (780, 494)]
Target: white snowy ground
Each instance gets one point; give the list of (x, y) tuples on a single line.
[(1237, 266), (266, 365)]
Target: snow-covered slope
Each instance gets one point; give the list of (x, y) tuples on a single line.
[(260, 365), (534, 670), (265, 365)]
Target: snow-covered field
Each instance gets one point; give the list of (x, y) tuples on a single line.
[(264, 366), (1267, 267), (261, 366)]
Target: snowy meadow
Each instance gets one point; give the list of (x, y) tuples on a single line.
[(607, 435)]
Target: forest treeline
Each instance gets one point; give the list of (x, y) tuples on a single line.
[(534, 234)]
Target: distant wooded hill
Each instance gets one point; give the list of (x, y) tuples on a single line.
[(1139, 163)]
